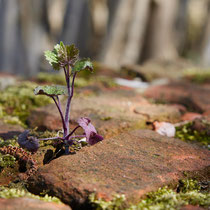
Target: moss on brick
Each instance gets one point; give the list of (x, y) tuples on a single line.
[(163, 198)]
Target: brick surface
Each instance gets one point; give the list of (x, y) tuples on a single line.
[(132, 163)]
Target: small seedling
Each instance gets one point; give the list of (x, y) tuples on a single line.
[(64, 57)]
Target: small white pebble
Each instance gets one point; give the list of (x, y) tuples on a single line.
[(164, 128)]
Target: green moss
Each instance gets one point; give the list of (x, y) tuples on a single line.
[(97, 80), (59, 79), (81, 81), (51, 78), (46, 134), (11, 142), (187, 185), (99, 204), (166, 198), (13, 120), (197, 75), (106, 118), (17, 193), (17, 101), (163, 198), (7, 161), (106, 81), (187, 133)]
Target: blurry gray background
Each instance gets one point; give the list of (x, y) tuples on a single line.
[(114, 32)]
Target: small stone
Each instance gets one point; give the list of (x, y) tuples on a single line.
[(164, 128)]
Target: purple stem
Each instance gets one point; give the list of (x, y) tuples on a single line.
[(65, 72), (59, 104), (52, 138), (77, 136), (70, 95), (66, 137), (71, 140), (60, 111)]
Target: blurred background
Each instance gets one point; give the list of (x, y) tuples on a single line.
[(115, 33)]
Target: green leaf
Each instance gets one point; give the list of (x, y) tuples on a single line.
[(84, 64), (62, 45), (51, 90), (72, 52), (61, 55), (52, 58)]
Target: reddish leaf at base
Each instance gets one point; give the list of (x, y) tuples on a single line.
[(90, 131)]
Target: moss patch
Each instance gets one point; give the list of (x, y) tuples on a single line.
[(17, 193), (188, 133), (197, 75), (166, 198), (57, 78), (17, 101), (7, 161), (45, 134), (163, 198), (8, 167), (11, 142), (99, 204), (81, 81)]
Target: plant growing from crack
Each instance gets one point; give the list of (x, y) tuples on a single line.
[(64, 57)]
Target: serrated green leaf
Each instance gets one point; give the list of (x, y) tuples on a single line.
[(62, 45), (62, 55), (72, 52), (52, 58), (54, 90), (84, 64)]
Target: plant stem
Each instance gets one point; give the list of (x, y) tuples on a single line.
[(60, 111), (52, 138), (68, 81), (67, 137), (70, 88), (65, 72), (70, 95)]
